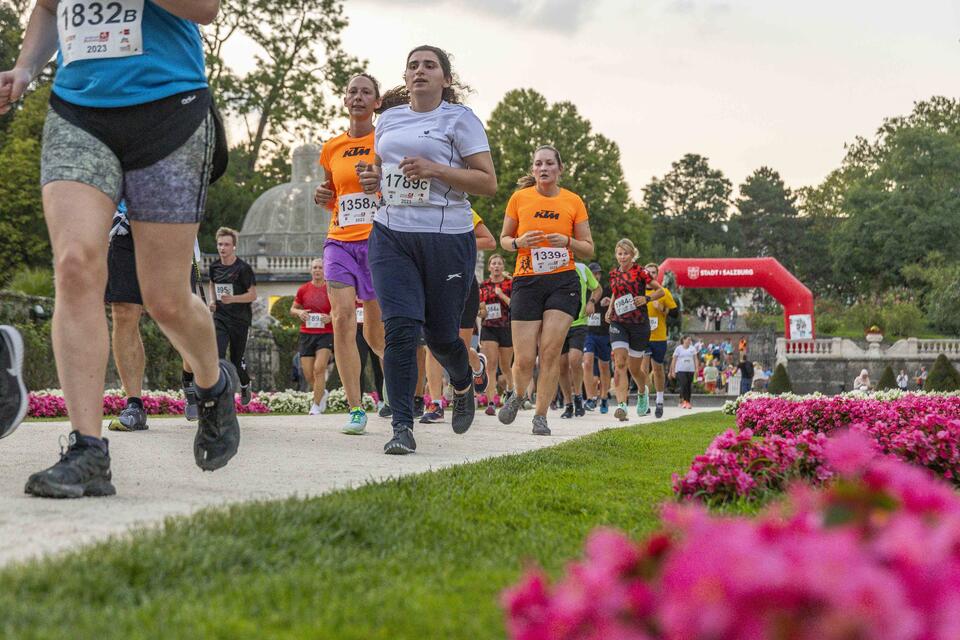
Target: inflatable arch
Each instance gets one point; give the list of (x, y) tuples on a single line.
[(749, 273)]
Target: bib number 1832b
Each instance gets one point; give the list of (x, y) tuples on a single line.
[(95, 29)]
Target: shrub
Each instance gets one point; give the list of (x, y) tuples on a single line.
[(32, 282), (887, 380), (779, 381), (863, 315), (280, 311), (902, 319), (943, 376)]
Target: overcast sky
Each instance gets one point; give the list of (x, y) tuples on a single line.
[(744, 82)]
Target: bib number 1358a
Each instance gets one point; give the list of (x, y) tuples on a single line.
[(95, 29)]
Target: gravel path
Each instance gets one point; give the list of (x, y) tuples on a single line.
[(279, 456)]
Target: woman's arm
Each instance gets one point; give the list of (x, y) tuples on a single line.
[(39, 45), (199, 11), (485, 240)]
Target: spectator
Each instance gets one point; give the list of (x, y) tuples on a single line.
[(717, 319), (733, 319), (921, 377), (903, 380), (862, 381), (742, 347), (710, 376), (746, 374)]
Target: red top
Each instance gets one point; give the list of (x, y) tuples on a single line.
[(315, 300), (489, 296), (633, 282)]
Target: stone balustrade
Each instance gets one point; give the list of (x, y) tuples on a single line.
[(845, 349)]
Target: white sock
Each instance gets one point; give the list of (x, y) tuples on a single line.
[(659, 397)]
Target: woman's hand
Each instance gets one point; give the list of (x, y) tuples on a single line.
[(324, 194), (369, 175), (558, 240), (419, 169), (531, 238)]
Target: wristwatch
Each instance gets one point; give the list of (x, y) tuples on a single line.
[(514, 244)]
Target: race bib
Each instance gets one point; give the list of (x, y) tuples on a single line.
[(314, 321), (356, 208), (547, 259), (359, 315), (221, 290), (654, 323), (92, 29), (493, 311), (399, 190), (624, 305), (593, 320)]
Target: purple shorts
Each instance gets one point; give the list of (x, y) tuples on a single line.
[(346, 263)]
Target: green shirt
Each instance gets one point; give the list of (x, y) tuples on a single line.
[(587, 283)]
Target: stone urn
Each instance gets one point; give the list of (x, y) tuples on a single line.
[(874, 338)]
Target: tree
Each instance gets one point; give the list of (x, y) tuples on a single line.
[(943, 376), (765, 223), (901, 202), (287, 96), (779, 381), (887, 380), (524, 120), (690, 202)]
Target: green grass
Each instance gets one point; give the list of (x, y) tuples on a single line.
[(423, 556)]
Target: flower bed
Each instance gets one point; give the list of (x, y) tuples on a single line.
[(780, 438), (874, 554)]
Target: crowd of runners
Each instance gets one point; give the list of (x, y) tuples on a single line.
[(131, 142)]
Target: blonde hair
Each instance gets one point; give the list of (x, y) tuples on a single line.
[(227, 231), (528, 180), (316, 260), (627, 243), (495, 255)]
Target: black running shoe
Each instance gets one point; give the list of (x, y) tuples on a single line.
[(480, 379), (13, 394), (464, 407), (418, 405), (433, 413), (190, 410), (578, 409), (401, 443), (385, 411), (540, 427), (132, 418), (245, 394), (508, 412), (659, 411), (567, 412), (83, 470), (218, 434)]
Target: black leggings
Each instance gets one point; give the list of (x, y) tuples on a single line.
[(364, 350), (685, 380), (233, 335)]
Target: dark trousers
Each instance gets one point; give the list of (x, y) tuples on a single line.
[(745, 384), (234, 336), (685, 380), (373, 362), (422, 281)]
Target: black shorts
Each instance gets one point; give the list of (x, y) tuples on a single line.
[(576, 336), (468, 320), (634, 337), (532, 295), (501, 335), (122, 283), (310, 343)]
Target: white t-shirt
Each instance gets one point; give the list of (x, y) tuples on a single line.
[(686, 358), (445, 135)]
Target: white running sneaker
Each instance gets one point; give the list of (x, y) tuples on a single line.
[(323, 401), (315, 409)]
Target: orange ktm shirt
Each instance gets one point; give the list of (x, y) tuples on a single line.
[(339, 160), (536, 212)]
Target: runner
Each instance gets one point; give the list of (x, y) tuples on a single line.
[(546, 225), (368, 360), (571, 356), (233, 289), (683, 368), (430, 154), (14, 399), (130, 119), (496, 343), (629, 324), (656, 354), (345, 250), (126, 307), (311, 306), (468, 327), (596, 349)]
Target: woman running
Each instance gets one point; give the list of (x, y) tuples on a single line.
[(596, 349), (546, 225), (496, 342), (468, 326), (430, 153), (629, 324), (311, 306), (345, 251)]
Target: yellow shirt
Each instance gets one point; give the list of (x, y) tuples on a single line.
[(657, 310)]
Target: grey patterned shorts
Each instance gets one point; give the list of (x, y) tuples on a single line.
[(172, 190)]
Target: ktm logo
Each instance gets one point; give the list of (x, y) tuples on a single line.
[(356, 151), (549, 215)]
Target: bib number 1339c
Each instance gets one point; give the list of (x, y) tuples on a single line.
[(96, 29)]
